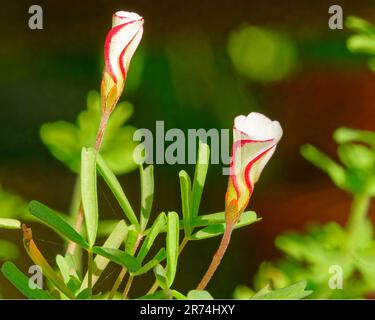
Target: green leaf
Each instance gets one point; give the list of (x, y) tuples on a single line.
[(293, 292), (200, 176), (361, 44), (172, 246), (345, 135), (114, 241), (161, 276), (158, 295), (120, 257), (8, 250), (65, 140), (213, 230), (185, 186), (357, 156), (63, 267), (160, 256), (242, 293), (156, 228), (131, 241), (359, 25), (53, 220), (147, 194), (10, 223), (319, 159), (13, 206), (85, 294), (21, 282), (199, 295), (178, 295), (216, 218), (89, 193), (118, 192)]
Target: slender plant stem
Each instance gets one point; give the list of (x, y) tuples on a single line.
[(117, 283), (90, 264), (217, 257), (153, 288), (155, 285), (101, 130), (123, 271), (358, 214), (183, 244), (127, 287), (98, 142)]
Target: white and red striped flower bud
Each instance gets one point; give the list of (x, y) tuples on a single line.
[(255, 139), (121, 42)]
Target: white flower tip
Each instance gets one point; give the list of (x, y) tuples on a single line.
[(121, 17), (258, 127)]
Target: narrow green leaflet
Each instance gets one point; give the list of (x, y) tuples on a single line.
[(157, 227), (161, 276), (10, 223), (120, 257), (21, 282), (89, 193), (53, 220), (199, 295), (172, 246), (345, 135), (160, 256), (63, 267), (359, 25), (293, 292), (147, 194), (85, 294), (131, 241), (185, 186), (114, 241), (200, 176), (178, 295), (118, 192), (213, 230)]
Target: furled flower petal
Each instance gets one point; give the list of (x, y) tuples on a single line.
[(121, 42), (255, 140)]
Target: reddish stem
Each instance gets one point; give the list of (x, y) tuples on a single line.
[(217, 257)]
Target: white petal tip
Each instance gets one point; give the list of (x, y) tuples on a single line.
[(258, 127)]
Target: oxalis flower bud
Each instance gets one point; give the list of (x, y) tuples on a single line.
[(255, 138), (120, 44)]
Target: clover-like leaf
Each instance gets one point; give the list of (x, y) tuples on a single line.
[(65, 140)]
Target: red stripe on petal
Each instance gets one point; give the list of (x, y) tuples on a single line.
[(107, 45), (236, 145), (250, 165)]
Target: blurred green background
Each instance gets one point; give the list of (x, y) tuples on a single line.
[(199, 65)]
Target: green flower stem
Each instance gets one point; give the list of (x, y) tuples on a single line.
[(101, 130), (117, 283), (358, 214), (123, 271), (90, 265), (155, 286), (217, 257), (127, 287)]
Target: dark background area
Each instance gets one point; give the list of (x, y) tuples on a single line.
[(188, 80)]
